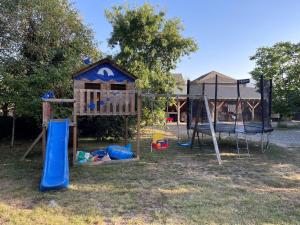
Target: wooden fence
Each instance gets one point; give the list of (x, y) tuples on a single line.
[(104, 102)]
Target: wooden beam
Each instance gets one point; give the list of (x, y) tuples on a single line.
[(138, 137), (178, 111), (32, 146), (220, 105), (74, 136), (212, 130), (126, 130), (171, 95), (57, 100), (252, 108), (13, 128), (88, 101), (182, 104), (44, 133), (97, 163)]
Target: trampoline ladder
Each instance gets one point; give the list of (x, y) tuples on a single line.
[(264, 147), (237, 139)]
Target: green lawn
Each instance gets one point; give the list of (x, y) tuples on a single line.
[(178, 186)]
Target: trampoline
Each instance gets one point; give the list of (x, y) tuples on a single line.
[(235, 108)]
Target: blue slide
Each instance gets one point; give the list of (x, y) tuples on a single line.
[(56, 165)]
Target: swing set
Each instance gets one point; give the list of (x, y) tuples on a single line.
[(159, 140)]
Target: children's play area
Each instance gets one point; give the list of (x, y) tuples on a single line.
[(163, 161), (105, 89), (135, 112)]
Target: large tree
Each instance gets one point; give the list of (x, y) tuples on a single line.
[(41, 43), (281, 63), (149, 45)]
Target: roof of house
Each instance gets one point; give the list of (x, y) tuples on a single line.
[(226, 91), (104, 61), (227, 87), (211, 76)]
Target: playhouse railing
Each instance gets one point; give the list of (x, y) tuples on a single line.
[(105, 102)]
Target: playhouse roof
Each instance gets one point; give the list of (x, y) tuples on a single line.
[(104, 69)]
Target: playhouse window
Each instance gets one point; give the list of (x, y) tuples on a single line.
[(118, 87), (92, 86)]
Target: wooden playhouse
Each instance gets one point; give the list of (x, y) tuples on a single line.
[(100, 89)]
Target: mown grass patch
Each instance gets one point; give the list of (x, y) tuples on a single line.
[(178, 186)]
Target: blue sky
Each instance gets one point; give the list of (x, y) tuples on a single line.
[(227, 31)]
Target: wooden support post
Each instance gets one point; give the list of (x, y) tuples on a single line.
[(88, 102), (138, 136), (75, 132), (74, 143), (32, 146), (213, 134), (13, 129), (178, 111), (252, 108), (219, 105), (44, 140), (126, 130)]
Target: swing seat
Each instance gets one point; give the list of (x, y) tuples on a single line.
[(187, 144)]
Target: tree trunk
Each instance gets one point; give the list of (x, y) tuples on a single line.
[(13, 129), (5, 109)]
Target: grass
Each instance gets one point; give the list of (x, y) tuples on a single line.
[(178, 186)]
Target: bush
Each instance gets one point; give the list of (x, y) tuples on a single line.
[(106, 127), (103, 128), (26, 127)]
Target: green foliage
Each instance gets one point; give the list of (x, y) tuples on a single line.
[(149, 46), (281, 63), (43, 44), (106, 128)]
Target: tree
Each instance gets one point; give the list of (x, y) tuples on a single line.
[(150, 45), (42, 43), (281, 63)]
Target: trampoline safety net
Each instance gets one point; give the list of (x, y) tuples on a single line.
[(234, 106)]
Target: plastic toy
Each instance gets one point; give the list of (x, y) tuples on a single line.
[(120, 152), (159, 142)]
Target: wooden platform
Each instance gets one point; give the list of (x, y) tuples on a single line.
[(97, 163), (105, 102)]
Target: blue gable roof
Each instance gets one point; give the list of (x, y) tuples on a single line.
[(105, 71)]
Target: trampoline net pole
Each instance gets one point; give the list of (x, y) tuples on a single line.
[(262, 102), (188, 116), (216, 97), (202, 109)]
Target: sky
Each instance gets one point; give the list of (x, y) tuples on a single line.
[(227, 32)]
